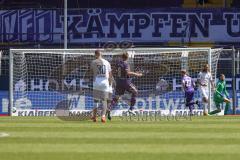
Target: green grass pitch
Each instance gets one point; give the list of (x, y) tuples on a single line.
[(35, 138)]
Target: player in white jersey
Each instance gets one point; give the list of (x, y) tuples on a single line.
[(102, 80), (204, 80)]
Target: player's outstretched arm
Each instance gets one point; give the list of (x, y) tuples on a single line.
[(183, 85), (212, 82), (137, 74)]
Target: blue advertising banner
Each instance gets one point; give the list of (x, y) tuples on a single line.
[(4, 103), (102, 25), (43, 99)]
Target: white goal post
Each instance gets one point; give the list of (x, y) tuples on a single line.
[(43, 79)]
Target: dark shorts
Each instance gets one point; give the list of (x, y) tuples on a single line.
[(123, 86), (189, 95)]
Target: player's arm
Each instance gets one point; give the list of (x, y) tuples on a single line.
[(212, 82), (183, 85), (130, 73), (137, 74), (198, 82), (193, 83), (226, 99)]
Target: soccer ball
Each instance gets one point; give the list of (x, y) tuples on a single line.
[(14, 110)]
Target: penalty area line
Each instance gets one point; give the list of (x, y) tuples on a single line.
[(3, 134)]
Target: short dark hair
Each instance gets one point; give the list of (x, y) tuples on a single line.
[(97, 52), (206, 65), (184, 71), (125, 56), (222, 75)]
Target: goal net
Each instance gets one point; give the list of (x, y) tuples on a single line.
[(41, 80)]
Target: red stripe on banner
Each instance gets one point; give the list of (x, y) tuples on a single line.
[(3, 115)]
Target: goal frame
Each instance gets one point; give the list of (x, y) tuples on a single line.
[(91, 50)]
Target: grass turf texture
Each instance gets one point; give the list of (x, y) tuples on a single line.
[(52, 139)]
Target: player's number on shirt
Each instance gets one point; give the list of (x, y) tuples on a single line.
[(187, 83), (101, 69)]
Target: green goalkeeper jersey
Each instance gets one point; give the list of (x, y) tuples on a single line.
[(221, 89)]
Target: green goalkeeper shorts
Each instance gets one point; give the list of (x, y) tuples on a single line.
[(218, 99)]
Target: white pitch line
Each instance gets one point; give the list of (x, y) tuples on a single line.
[(2, 134)]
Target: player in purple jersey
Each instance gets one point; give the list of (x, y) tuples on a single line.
[(124, 83), (188, 86)]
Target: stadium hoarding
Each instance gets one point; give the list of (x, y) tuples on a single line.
[(137, 25), (4, 103), (33, 106), (86, 114)]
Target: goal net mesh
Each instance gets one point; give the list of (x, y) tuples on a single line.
[(45, 79)]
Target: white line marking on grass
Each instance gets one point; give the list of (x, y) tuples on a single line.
[(2, 134)]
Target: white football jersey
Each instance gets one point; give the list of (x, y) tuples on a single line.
[(204, 78), (100, 68)]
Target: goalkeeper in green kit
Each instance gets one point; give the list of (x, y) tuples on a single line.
[(220, 96)]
